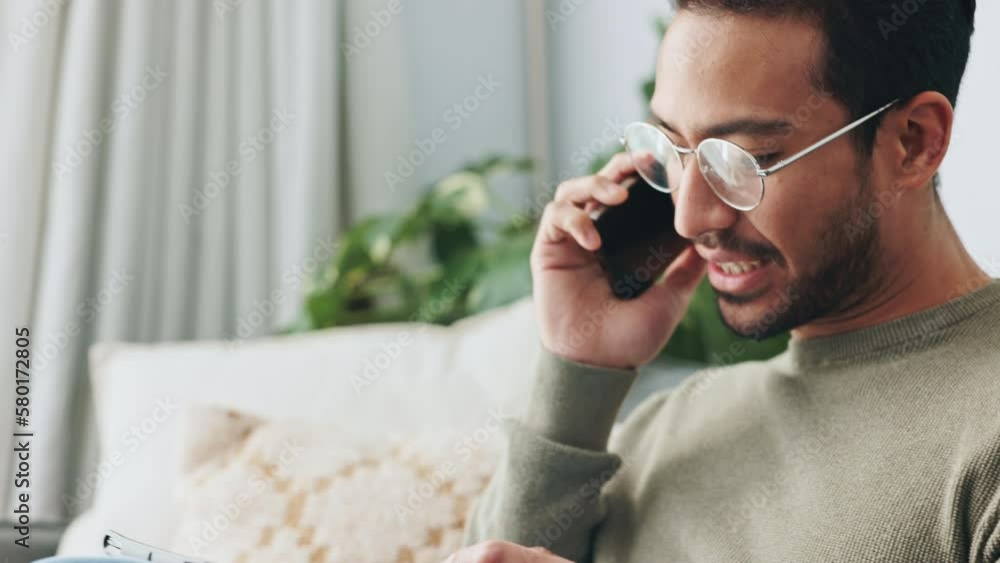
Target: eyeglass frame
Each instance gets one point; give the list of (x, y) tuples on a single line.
[(761, 172)]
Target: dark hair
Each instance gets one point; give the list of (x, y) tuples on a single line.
[(876, 50)]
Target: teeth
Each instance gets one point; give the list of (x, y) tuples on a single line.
[(736, 268)]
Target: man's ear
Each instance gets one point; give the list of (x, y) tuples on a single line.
[(920, 137)]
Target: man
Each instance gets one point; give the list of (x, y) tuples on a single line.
[(876, 436)]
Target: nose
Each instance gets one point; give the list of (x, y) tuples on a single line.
[(697, 209)]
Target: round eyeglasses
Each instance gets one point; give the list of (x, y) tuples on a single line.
[(734, 174)]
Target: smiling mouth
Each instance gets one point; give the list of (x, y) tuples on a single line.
[(737, 268)]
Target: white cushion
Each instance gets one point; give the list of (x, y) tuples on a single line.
[(255, 490), (381, 378)]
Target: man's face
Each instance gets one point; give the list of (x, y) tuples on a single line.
[(747, 79)]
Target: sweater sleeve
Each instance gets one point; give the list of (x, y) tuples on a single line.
[(986, 543), (546, 490)]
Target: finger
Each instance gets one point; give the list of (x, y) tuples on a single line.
[(543, 555), (591, 188), (500, 552), (618, 168), (562, 220), (593, 206), (680, 279), (686, 271)]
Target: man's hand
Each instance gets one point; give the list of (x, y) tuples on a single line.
[(571, 290), (504, 552)]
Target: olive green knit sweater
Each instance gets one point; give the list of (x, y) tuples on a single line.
[(881, 444)]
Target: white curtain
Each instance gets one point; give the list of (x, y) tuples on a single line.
[(169, 165), (171, 160)]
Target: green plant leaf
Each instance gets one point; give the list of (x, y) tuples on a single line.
[(460, 197), (506, 276), (648, 87), (451, 241), (497, 164)]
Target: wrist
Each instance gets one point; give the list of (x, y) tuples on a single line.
[(575, 403), (579, 357)]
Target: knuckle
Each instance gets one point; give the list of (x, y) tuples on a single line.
[(535, 257), (621, 159), (493, 551), (596, 182), (563, 188), (580, 221), (550, 211), (618, 161)]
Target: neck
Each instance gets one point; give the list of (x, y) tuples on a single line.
[(942, 271)]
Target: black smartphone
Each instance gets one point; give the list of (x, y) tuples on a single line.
[(638, 239)]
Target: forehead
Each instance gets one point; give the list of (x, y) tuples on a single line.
[(716, 67)]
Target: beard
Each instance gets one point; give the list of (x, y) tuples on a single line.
[(846, 272)]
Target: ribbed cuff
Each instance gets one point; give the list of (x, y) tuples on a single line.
[(576, 404)]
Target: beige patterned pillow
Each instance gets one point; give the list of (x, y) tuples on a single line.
[(264, 491)]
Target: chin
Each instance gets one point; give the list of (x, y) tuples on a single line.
[(759, 316)]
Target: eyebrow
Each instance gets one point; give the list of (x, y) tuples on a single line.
[(746, 126)]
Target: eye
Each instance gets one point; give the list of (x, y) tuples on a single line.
[(764, 159)]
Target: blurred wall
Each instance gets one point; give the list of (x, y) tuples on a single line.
[(598, 56), (971, 190), (428, 59)]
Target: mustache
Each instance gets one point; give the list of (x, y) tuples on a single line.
[(729, 241)]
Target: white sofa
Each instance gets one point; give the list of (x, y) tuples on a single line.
[(380, 378)]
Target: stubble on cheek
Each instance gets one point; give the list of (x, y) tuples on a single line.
[(819, 274)]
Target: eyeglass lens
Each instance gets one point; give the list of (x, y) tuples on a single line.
[(729, 170)]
